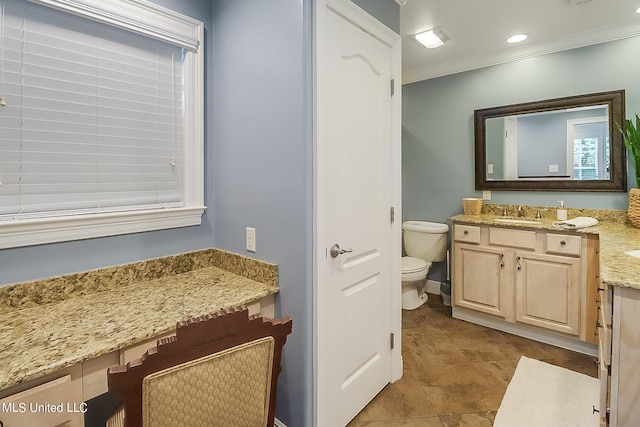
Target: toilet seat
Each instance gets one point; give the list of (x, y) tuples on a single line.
[(414, 268)]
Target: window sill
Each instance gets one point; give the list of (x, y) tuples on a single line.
[(30, 232)]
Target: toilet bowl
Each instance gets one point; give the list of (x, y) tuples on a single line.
[(424, 242), (414, 281)]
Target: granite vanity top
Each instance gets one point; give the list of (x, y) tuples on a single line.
[(616, 237), (50, 324)]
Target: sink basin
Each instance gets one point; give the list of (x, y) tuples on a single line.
[(516, 221), (635, 253)]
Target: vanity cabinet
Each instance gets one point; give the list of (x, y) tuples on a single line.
[(528, 282), (619, 356)]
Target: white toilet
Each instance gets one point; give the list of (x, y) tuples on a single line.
[(424, 243)]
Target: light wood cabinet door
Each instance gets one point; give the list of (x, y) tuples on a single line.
[(548, 291), (480, 279)]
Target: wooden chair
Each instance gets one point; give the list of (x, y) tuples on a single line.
[(218, 370)]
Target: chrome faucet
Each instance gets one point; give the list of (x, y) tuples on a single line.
[(520, 211), (504, 210)]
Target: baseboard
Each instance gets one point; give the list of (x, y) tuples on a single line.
[(538, 334), (433, 287), (278, 423)]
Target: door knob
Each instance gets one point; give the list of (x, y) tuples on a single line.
[(335, 250)]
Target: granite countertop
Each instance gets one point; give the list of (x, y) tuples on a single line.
[(51, 324), (615, 234)]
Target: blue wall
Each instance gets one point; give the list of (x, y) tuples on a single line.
[(542, 140), (262, 165), (437, 137)]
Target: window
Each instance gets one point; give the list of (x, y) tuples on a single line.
[(588, 142), (102, 131)]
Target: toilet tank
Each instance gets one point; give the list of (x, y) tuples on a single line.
[(425, 240)]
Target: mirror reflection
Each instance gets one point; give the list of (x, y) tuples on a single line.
[(560, 144)]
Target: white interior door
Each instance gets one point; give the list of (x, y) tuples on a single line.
[(358, 286)]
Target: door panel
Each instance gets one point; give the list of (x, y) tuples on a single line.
[(547, 292), (355, 309), (480, 279)]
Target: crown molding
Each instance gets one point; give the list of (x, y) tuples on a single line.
[(526, 51)]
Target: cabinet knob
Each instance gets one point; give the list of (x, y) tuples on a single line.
[(466, 232), (563, 242)]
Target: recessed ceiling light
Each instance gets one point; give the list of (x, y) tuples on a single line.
[(638, 10), (432, 38), (517, 38)]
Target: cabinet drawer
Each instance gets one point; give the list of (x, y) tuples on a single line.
[(563, 244), (55, 403), (604, 336), (136, 351), (606, 299), (603, 379), (513, 238), (467, 233)]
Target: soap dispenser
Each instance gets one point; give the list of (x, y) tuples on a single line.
[(562, 212)]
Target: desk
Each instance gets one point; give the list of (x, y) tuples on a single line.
[(50, 325)]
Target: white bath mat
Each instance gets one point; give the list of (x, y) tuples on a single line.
[(543, 395)]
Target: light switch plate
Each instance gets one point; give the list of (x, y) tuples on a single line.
[(251, 239)]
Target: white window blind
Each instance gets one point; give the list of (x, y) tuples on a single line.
[(94, 116), (103, 129)]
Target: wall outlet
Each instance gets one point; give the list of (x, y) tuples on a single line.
[(251, 239), (486, 194), (553, 168), (490, 168)]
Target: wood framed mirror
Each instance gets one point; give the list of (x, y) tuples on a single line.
[(561, 144)]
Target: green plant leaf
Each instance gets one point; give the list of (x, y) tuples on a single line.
[(631, 137)]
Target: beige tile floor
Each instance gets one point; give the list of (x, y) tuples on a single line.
[(455, 372)]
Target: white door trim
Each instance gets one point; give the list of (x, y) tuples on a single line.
[(365, 21)]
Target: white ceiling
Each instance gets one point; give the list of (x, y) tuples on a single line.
[(478, 30)]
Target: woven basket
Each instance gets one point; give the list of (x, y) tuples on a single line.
[(633, 213), (473, 206)]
